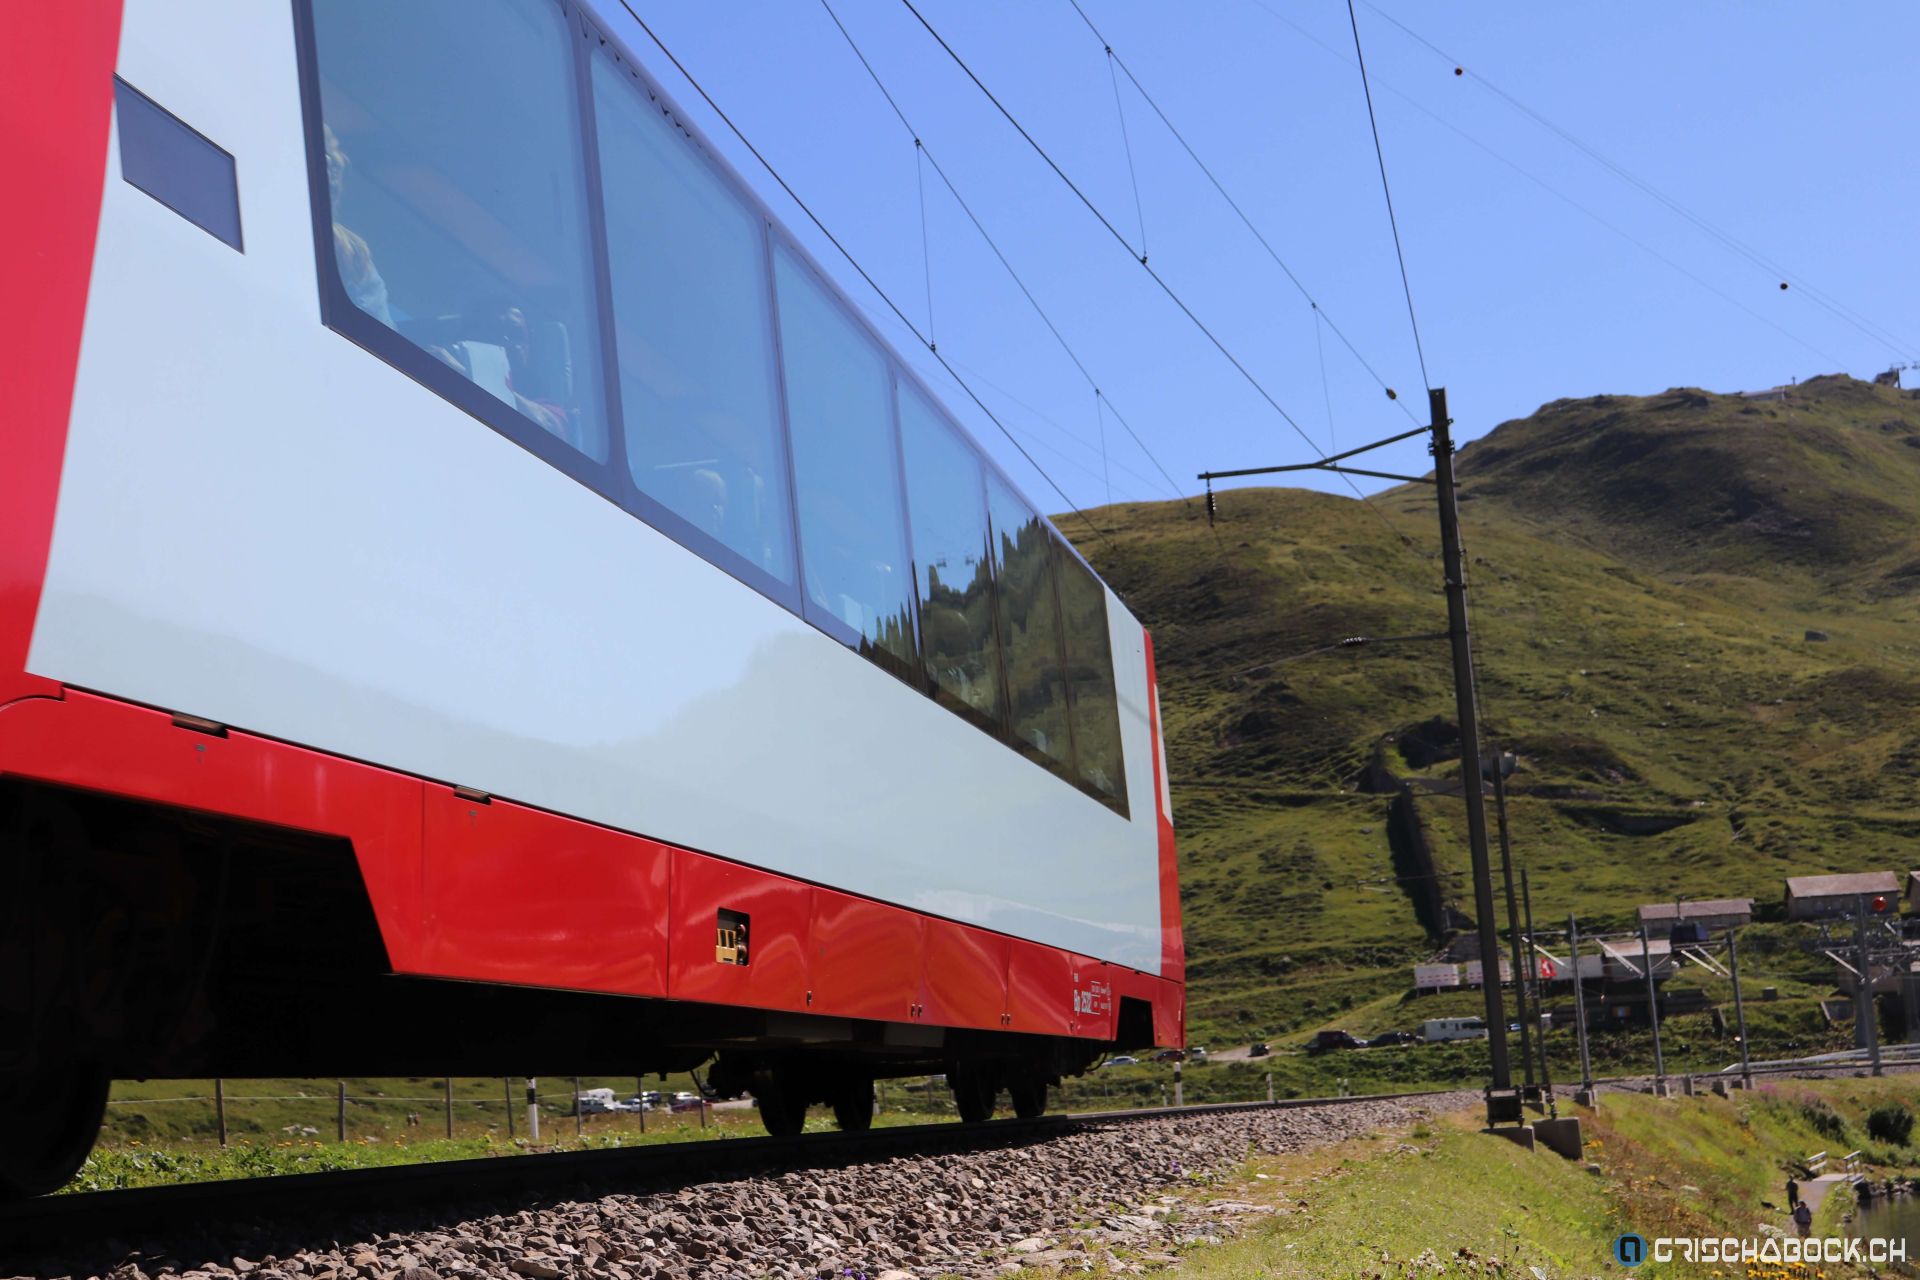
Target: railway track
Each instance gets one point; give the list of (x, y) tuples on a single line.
[(310, 1199)]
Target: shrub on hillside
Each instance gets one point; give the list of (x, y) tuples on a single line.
[(1824, 1120), (1891, 1123)]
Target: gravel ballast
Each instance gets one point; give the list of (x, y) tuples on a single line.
[(1067, 1200)]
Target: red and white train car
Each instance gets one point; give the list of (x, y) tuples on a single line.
[(474, 593)]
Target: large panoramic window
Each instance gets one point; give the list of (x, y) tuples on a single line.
[(1029, 627), (457, 196), (569, 265), (947, 496), (1096, 709), (693, 330), (846, 471)]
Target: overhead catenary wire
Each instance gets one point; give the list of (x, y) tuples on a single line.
[(1386, 189), (1206, 331), (1139, 209), (1865, 324), (1554, 191), (863, 272), (981, 379), (1239, 212), (1326, 389), (926, 247), (1346, 642), (992, 244)]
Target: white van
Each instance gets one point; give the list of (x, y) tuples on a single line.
[(1434, 1030)]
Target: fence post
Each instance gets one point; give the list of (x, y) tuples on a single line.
[(1179, 1090), (506, 1087), (1269, 1086), (340, 1111), (220, 1107), (579, 1121), (449, 1083), (703, 1113), (533, 1109)]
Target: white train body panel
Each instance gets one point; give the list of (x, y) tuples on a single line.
[(262, 524)]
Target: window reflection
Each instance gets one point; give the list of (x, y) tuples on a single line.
[(947, 498), (457, 195), (846, 473), (693, 330), (1090, 677), (1029, 626)]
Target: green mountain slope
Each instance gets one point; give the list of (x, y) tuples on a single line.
[(1695, 621)]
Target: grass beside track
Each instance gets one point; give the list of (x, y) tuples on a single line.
[(1443, 1199)]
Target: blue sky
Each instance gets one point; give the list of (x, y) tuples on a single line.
[(1536, 272)]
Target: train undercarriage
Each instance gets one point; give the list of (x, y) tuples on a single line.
[(140, 942)]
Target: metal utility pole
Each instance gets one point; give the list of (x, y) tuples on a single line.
[(1467, 708), (1539, 1032), (1653, 1012), (1579, 1005), (1503, 1105), (1739, 1006), (533, 1109), (1867, 1018), (1513, 932), (220, 1107)]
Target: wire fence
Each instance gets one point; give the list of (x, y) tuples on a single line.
[(532, 1109)]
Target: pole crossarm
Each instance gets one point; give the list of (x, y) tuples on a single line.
[(1326, 463)]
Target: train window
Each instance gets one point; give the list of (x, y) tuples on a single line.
[(1090, 679), (457, 196), (947, 502), (846, 471), (692, 327), (1029, 627)]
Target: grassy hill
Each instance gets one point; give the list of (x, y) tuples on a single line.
[(1695, 620)]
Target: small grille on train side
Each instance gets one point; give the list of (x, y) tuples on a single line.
[(730, 946)]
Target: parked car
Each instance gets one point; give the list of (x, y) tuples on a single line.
[(1170, 1055), (1328, 1041), (684, 1101), (1392, 1037), (1121, 1060), (1259, 1049), (1197, 1054)]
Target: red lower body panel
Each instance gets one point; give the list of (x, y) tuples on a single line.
[(490, 891)]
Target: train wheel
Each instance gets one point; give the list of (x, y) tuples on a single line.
[(783, 1108), (1028, 1094), (853, 1106), (53, 1120), (973, 1094)]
